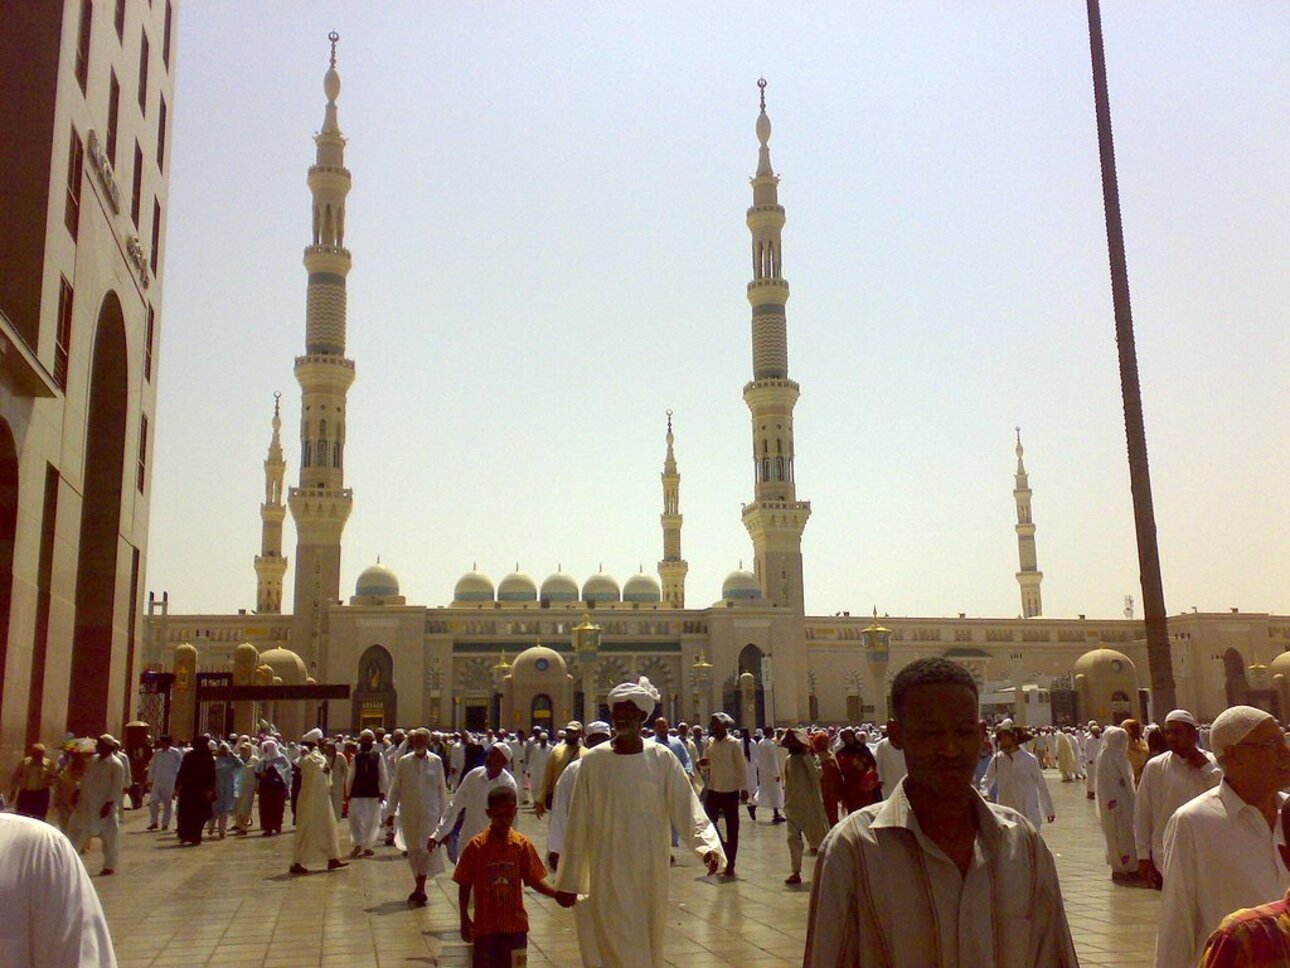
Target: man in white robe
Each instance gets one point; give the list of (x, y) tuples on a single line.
[(162, 770), (770, 775), (535, 768), (315, 838), (1021, 781), (419, 792), (368, 780), (49, 912), (1067, 760), (334, 753), (1115, 794), (597, 733), (627, 797), (469, 801), (1167, 782), (96, 804), (891, 765), (1091, 747)]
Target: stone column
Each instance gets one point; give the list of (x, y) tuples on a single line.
[(183, 701)]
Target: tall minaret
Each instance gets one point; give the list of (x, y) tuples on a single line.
[(673, 568), (321, 504), (775, 519), (1029, 577), (270, 566)]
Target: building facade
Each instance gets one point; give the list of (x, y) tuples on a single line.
[(517, 653), (87, 120)]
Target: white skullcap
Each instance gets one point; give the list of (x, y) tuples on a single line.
[(314, 735), (367, 734), (1005, 726), (1233, 725), (501, 748), (642, 693), (1091, 723), (1182, 716), (599, 728)]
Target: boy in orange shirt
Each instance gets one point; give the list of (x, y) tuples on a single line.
[(496, 865)]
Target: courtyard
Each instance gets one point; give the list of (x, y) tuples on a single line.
[(232, 903)]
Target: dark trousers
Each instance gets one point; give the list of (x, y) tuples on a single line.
[(727, 805), (498, 950)]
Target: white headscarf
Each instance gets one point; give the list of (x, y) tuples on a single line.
[(642, 693)]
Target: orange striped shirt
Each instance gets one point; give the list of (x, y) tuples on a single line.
[(497, 868)]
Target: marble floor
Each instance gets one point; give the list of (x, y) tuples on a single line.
[(232, 903)]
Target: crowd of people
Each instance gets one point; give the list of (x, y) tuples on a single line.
[(927, 830)]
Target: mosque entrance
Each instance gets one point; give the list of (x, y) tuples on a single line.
[(214, 716), (375, 701), (542, 713), (476, 716)]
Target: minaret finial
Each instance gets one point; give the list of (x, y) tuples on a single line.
[(761, 83), (333, 37)]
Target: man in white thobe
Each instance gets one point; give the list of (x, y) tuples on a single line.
[(368, 781), (162, 771), (1223, 849), (49, 912), (1167, 782), (597, 732), (1091, 746), (315, 838), (627, 797), (535, 766), (469, 801), (419, 793), (770, 775), (334, 753), (891, 765), (1021, 781), (456, 760), (96, 803)]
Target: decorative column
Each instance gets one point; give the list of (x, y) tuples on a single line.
[(703, 689), (877, 651)]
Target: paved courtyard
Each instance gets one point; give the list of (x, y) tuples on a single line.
[(232, 903)]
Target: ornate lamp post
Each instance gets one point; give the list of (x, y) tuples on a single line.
[(500, 672), (586, 646), (703, 688), (877, 649)]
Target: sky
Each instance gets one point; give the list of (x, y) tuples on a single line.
[(549, 252)]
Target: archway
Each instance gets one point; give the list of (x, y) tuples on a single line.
[(8, 526), (375, 701), (750, 657), (96, 570), (543, 713)]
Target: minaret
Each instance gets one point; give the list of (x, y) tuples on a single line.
[(673, 568), (775, 519), (1029, 577), (321, 504), (270, 566)]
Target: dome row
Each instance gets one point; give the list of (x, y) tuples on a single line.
[(475, 586)]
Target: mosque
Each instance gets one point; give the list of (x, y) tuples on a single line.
[(518, 653)]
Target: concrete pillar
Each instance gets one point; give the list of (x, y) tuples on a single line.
[(183, 701), (747, 701), (245, 660)]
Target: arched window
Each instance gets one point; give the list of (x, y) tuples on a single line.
[(765, 468), (306, 453), (779, 468)]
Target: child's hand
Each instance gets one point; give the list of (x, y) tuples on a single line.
[(467, 929)]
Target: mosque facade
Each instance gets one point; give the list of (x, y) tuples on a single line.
[(517, 652)]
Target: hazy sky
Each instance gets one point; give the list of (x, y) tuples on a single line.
[(547, 226)]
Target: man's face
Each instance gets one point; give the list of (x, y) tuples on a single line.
[(1260, 763), (1007, 741), (571, 736), (660, 728), (420, 744), (848, 738), (494, 763), (717, 728), (501, 814), (103, 748), (1180, 737), (940, 734), (627, 718)]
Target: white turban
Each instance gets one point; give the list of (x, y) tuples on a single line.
[(1006, 726), (1233, 725), (314, 735), (642, 693), (599, 728), (1182, 716)]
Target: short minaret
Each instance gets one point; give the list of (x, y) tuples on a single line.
[(673, 568), (775, 519), (270, 565), (321, 504), (1029, 577)]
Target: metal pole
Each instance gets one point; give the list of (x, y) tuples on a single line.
[(1153, 595)]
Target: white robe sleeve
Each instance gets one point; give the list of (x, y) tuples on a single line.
[(70, 928), (574, 874), (1179, 920), (987, 781), (561, 800), (1045, 797)]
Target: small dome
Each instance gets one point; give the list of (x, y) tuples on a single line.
[(286, 665), (601, 588), (377, 581), (741, 584), (559, 587), (1280, 665), (642, 588), (537, 661), (474, 586), (517, 587), (1104, 661)]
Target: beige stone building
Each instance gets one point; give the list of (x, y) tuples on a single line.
[(517, 652), (85, 107)]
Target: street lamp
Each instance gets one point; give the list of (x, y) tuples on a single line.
[(586, 648), (702, 677), (877, 650), (500, 672)]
